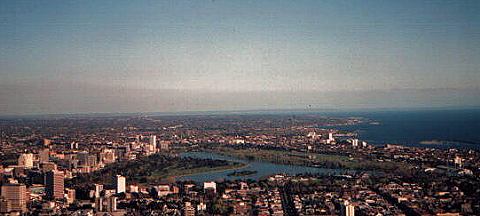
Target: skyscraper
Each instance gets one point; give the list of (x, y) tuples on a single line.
[(70, 195), (347, 209), (330, 139), (98, 190), (47, 142), (355, 142), (107, 156), (210, 186), (25, 160), (44, 155), (15, 196), (112, 204), (164, 145), (54, 184), (153, 144), (120, 182)]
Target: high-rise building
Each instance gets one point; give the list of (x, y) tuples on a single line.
[(99, 204), (153, 144), (54, 184), (133, 189), (15, 197), (98, 190), (112, 204), (330, 139), (70, 195), (347, 209), (120, 183), (48, 166), (210, 186), (364, 144), (164, 145), (5, 206), (107, 156), (82, 158), (188, 209), (44, 155), (47, 142), (25, 160), (458, 161), (355, 142)]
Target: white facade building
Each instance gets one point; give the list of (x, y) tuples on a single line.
[(121, 184), (25, 160)]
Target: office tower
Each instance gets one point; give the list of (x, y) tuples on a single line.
[(15, 196), (82, 158), (153, 144), (347, 209), (74, 145), (54, 184), (25, 160), (107, 156), (44, 155), (99, 204), (330, 138), (188, 209), (133, 189), (47, 142), (5, 206), (112, 204), (48, 166), (355, 142), (164, 145), (92, 160), (70, 195), (210, 186), (120, 182), (458, 161), (364, 144), (98, 190)]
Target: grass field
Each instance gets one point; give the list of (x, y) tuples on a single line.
[(310, 159)]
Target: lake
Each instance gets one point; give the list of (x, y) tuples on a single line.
[(262, 169)]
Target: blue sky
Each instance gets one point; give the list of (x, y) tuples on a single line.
[(140, 56)]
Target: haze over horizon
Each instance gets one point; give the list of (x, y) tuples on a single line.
[(166, 56)]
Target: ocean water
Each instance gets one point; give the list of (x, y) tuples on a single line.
[(452, 128)]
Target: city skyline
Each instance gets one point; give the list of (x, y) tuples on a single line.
[(170, 56)]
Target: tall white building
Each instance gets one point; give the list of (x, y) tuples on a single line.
[(25, 160), (355, 142), (153, 143), (210, 185), (364, 144), (458, 161), (347, 209), (98, 190), (330, 138), (112, 204), (120, 182)]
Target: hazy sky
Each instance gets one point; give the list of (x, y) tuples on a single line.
[(143, 56)]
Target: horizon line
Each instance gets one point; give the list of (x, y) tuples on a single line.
[(235, 112)]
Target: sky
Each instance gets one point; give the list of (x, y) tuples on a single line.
[(209, 55)]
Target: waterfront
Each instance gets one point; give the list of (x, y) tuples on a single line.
[(262, 169), (446, 128)]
